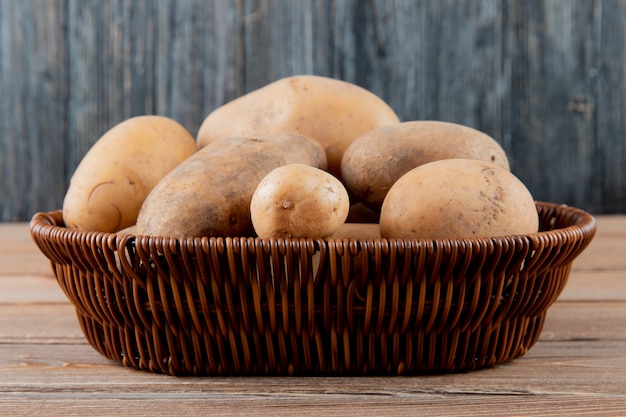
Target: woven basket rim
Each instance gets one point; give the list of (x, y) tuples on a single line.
[(584, 223)]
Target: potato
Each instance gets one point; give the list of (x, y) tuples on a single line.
[(331, 111), (361, 213), (130, 230), (458, 198), (360, 231), (299, 201), (376, 159), (210, 193), (112, 180)]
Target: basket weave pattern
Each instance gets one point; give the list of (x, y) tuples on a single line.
[(249, 306)]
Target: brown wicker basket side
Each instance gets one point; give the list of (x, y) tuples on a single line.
[(249, 306)]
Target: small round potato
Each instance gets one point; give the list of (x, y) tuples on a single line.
[(458, 198), (376, 159), (299, 201), (113, 179)]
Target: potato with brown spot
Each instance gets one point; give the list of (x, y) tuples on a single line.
[(299, 201), (112, 180), (458, 198), (330, 111), (376, 159), (210, 193)]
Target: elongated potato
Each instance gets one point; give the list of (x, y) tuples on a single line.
[(458, 198), (376, 159), (330, 111), (112, 180), (210, 193)]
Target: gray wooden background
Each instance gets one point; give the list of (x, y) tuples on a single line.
[(546, 78)]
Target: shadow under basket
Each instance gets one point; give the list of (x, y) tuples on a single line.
[(251, 306)]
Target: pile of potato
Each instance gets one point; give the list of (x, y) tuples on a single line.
[(303, 157)]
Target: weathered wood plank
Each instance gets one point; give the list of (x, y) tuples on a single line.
[(548, 126), (595, 285), (84, 383), (609, 143), (327, 404), (29, 289), (607, 249), (19, 253), (174, 58), (34, 86), (246, 403)]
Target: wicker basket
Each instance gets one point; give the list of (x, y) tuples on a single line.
[(250, 306)]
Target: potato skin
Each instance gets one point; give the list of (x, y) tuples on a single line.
[(209, 194), (299, 201), (360, 231), (112, 180), (458, 198), (376, 159), (330, 111)]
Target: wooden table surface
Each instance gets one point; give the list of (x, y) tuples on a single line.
[(578, 367)]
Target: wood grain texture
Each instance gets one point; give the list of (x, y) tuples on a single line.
[(52, 371), (577, 368), (33, 87), (544, 78)]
